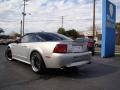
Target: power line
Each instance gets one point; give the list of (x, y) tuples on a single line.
[(62, 20), (7, 21)]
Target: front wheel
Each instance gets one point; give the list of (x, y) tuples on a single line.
[(8, 54), (37, 63)]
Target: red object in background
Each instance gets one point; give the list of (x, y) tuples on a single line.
[(90, 44)]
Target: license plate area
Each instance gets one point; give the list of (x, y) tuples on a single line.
[(77, 48)]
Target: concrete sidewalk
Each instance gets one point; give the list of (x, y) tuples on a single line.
[(113, 61)]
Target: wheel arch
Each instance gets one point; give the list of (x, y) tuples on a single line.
[(40, 53)]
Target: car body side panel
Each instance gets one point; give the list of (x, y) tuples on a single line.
[(45, 50), (20, 51), (52, 60)]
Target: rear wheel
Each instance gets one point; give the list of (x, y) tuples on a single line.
[(37, 63), (8, 54)]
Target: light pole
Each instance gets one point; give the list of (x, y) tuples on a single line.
[(62, 21), (94, 19), (21, 27), (24, 14)]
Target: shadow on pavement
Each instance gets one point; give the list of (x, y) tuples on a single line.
[(87, 71)]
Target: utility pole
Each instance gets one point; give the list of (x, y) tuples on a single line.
[(62, 21), (24, 14), (94, 19), (21, 27)]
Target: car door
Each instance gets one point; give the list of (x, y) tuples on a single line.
[(21, 49)]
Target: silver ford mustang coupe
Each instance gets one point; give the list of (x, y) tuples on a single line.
[(48, 50)]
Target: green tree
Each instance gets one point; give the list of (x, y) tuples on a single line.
[(61, 31), (15, 34), (72, 33)]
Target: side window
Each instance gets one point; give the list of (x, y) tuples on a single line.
[(25, 39), (30, 38), (34, 38)]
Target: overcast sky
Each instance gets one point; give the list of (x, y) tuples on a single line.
[(45, 15)]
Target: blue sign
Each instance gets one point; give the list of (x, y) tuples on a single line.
[(108, 29)]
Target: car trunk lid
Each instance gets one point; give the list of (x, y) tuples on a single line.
[(75, 47)]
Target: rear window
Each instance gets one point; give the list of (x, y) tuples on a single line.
[(52, 37)]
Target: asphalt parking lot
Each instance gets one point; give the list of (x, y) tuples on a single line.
[(102, 74)]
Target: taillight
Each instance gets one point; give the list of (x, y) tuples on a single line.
[(60, 48)]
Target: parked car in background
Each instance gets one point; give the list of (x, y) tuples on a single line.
[(1, 41), (48, 50), (6, 41), (90, 43)]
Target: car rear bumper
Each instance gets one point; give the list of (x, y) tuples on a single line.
[(68, 60)]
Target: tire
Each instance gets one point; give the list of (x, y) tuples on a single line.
[(8, 54), (37, 63)]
